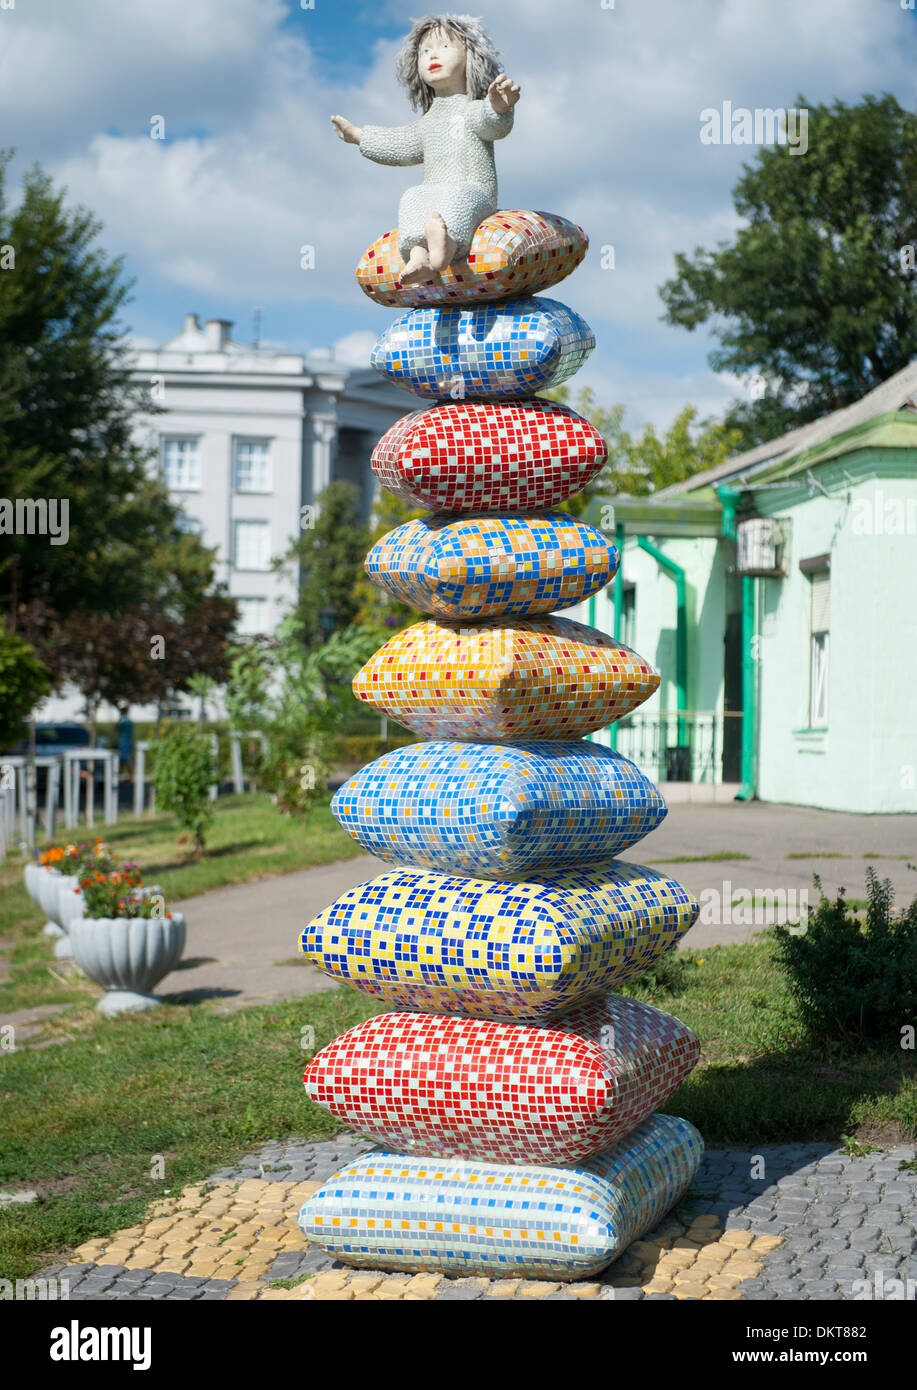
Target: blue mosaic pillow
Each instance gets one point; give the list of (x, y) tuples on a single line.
[(497, 809), (476, 566), (528, 950), (454, 1216), (512, 349)]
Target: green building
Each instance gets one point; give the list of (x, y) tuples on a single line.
[(777, 595)]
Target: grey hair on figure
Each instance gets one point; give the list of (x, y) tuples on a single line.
[(483, 60)]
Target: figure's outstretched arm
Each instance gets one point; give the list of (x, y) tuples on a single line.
[(401, 144), (346, 129), (491, 118)]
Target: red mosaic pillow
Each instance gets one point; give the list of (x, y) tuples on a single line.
[(511, 1093), (516, 456), (514, 253)]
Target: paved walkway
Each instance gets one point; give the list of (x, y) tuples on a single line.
[(811, 1224), (241, 941)]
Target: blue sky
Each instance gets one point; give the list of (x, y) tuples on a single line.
[(212, 218)]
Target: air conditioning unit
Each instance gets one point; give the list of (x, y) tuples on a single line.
[(762, 544)]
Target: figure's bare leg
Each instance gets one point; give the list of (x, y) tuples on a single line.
[(418, 270), (442, 245)]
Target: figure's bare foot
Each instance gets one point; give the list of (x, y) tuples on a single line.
[(418, 270), (441, 244)]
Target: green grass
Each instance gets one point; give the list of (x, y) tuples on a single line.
[(816, 854), (761, 1079), (248, 840), (714, 858), (84, 1121)]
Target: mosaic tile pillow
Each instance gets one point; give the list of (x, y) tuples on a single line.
[(489, 566), (516, 951), (519, 456), (512, 349), (513, 253), (499, 1220), (529, 678), (504, 1092), (498, 810)]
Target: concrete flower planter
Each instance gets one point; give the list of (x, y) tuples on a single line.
[(70, 905), (41, 886), (127, 956)]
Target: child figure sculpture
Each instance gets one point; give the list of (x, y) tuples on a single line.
[(451, 71)]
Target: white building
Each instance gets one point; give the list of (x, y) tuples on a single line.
[(248, 438)]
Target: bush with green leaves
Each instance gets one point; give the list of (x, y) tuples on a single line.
[(300, 698), (855, 980), (23, 682), (183, 772)]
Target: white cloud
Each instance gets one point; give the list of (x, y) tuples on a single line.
[(354, 348), (607, 133)]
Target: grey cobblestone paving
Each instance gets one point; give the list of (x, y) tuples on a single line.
[(849, 1225)]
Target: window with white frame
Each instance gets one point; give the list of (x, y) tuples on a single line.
[(181, 465), (252, 545), (252, 465), (192, 524), (820, 624), (253, 617)]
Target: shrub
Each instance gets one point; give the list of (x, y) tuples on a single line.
[(183, 773), (365, 748), (300, 699), (853, 979), (669, 974)]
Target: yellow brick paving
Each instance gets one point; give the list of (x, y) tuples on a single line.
[(235, 1231)]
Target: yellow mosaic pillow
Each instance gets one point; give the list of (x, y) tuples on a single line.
[(515, 252), (442, 944), (531, 678)]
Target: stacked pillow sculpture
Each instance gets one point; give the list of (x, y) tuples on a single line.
[(516, 1093)]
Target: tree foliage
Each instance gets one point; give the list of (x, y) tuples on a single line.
[(643, 465), (329, 557), (814, 296), (138, 656), (376, 608), (184, 770), (68, 407), (299, 698), (24, 681)]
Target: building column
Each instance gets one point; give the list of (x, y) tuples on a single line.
[(323, 434)]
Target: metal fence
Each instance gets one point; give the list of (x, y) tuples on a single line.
[(673, 748), (7, 819)]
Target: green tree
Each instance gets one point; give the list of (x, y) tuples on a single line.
[(140, 656), (203, 688), (23, 682), (329, 558), (183, 772), (376, 608), (816, 295), (66, 407), (300, 699), (643, 465), (67, 411)]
